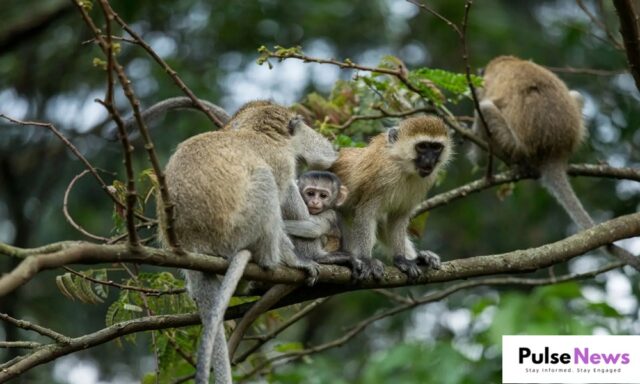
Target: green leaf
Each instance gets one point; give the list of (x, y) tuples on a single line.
[(289, 347)]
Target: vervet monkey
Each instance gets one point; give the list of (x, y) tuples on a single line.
[(227, 187), (315, 235), (322, 193), (536, 122), (386, 180)]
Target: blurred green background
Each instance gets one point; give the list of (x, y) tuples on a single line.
[(46, 74)]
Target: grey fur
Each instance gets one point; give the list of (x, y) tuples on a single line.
[(227, 187)]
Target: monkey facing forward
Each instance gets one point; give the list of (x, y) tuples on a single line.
[(322, 193), (536, 122), (228, 187), (386, 180)]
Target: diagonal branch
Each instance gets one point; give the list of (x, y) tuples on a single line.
[(630, 35), (428, 298)]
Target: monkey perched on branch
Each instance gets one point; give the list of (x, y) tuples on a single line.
[(322, 193), (386, 180), (536, 122), (228, 187)]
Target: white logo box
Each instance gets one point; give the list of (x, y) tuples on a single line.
[(571, 359)]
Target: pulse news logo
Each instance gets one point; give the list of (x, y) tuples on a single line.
[(579, 356), (571, 359)]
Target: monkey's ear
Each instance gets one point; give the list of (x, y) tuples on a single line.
[(392, 135), (293, 124), (342, 195)]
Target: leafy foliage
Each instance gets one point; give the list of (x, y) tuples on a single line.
[(81, 288), (132, 304)]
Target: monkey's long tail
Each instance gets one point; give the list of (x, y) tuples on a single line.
[(212, 324), (180, 102), (553, 177)]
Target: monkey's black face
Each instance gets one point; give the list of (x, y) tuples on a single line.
[(427, 156)]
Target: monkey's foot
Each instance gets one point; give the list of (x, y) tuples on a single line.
[(430, 259), (408, 267), (412, 269), (366, 268), (312, 269)]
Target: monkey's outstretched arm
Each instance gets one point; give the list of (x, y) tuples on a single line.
[(312, 228)]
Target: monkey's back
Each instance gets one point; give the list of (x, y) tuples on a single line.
[(209, 179), (543, 116)]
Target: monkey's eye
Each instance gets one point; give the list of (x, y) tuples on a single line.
[(323, 195), (425, 146), (311, 193)]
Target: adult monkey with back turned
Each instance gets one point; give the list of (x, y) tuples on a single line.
[(227, 187), (536, 122)]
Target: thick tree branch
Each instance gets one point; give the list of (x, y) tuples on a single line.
[(428, 298), (52, 351), (66, 345), (511, 262)]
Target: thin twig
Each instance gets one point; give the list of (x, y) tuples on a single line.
[(584, 71), (399, 73), (173, 74), (590, 170), (259, 307), (20, 344), (462, 36), (65, 210), (167, 205), (147, 291), (263, 339), (390, 295), (127, 148), (76, 152), (600, 25), (384, 114), (23, 324)]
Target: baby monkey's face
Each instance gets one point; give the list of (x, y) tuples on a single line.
[(318, 198)]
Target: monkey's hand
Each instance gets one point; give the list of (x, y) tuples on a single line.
[(412, 269), (365, 268)]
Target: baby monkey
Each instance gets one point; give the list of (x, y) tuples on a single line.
[(322, 193)]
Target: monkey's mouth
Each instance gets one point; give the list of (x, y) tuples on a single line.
[(314, 211), (425, 171)]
